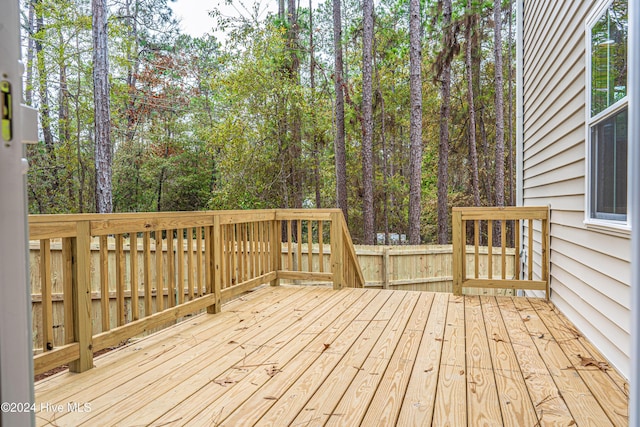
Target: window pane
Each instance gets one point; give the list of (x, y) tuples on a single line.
[(609, 57), (609, 168)]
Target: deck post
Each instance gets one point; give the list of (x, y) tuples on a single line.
[(276, 248), (81, 297), (458, 251), (216, 268), (545, 253), (337, 254)]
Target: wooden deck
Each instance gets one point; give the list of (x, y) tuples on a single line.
[(311, 356)]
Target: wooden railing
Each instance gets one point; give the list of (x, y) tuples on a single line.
[(524, 223), (168, 266)]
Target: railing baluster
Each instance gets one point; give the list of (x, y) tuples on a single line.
[(120, 272), (190, 263), (47, 303), (199, 260), (104, 283), (516, 260), (133, 281), (289, 251), (217, 241), (310, 243), (503, 237), (180, 249), (490, 249), (241, 256), (476, 248), (530, 266), (159, 273), (171, 270), (146, 240), (299, 244), (234, 255), (275, 247), (208, 261), (320, 247), (67, 284)]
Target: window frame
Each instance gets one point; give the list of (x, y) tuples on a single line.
[(623, 225)]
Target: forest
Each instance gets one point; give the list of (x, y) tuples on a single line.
[(393, 111)]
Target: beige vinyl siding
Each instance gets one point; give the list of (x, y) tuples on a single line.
[(590, 267)]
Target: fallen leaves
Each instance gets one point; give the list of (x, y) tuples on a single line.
[(224, 381), (273, 370), (589, 361)]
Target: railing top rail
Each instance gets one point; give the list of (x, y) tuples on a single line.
[(64, 225), (503, 213)]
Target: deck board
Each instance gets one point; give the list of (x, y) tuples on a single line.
[(313, 356)]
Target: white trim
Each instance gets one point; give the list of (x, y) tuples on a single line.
[(633, 76), (614, 225), (16, 358), (520, 108), (519, 102)]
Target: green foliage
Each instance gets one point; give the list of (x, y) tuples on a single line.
[(201, 123)]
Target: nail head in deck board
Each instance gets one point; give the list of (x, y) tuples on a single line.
[(451, 390), (358, 396), (418, 405), (387, 402), (291, 402), (584, 408), (189, 408), (209, 351), (549, 404), (331, 392), (59, 389), (483, 405), (294, 361), (174, 370), (267, 354), (257, 359), (605, 390), (515, 402)]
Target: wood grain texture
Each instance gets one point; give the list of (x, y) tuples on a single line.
[(548, 402), (314, 356), (483, 406), (450, 404)]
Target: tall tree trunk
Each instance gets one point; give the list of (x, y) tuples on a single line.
[(133, 65), (473, 152), (81, 164), (104, 198), (443, 159), (314, 117), (499, 106), (367, 123), (339, 142), (415, 125), (295, 147), (45, 119), (281, 9), (28, 93)]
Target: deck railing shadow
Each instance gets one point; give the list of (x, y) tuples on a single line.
[(168, 266), (530, 229)]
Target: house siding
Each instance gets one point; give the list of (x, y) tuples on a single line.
[(590, 268)]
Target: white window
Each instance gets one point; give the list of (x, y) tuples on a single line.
[(607, 111)]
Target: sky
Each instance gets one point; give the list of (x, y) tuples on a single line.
[(194, 16), (195, 19)]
